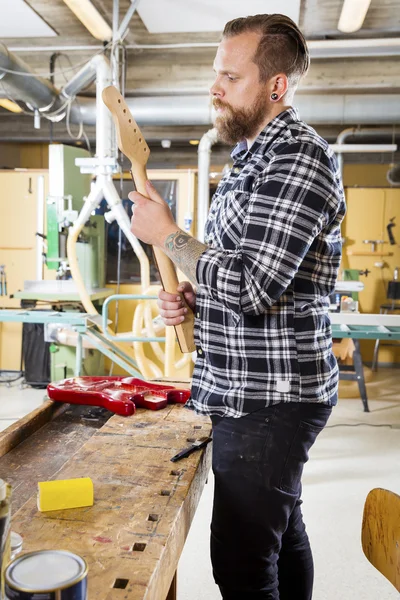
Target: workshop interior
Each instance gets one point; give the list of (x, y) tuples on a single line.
[(85, 358)]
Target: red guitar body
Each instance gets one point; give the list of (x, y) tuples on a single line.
[(120, 395)]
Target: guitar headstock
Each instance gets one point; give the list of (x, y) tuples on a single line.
[(129, 137)]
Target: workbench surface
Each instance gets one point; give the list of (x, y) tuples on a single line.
[(134, 534)]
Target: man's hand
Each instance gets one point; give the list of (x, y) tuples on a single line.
[(171, 307), (152, 221)]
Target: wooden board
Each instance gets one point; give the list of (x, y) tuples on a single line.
[(134, 534), (43, 442)]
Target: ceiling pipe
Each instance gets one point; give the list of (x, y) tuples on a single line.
[(192, 110), (341, 139), (357, 148), (349, 109), (319, 49), (359, 132), (37, 92), (85, 77), (123, 28), (159, 110), (203, 190), (316, 109)]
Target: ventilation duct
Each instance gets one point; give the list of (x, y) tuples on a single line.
[(37, 92), (316, 109)]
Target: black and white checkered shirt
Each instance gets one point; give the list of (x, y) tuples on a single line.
[(262, 328)]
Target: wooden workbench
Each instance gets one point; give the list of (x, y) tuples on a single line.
[(134, 534)]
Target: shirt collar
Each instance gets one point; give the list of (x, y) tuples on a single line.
[(265, 137)]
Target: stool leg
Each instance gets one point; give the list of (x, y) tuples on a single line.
[(358, 366)]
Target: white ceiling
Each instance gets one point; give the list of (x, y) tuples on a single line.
[(175, 16), (18, 20)]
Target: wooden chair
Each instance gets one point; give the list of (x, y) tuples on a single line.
[(380, 536)]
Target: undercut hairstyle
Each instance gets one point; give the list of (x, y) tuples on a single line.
[(282, 47)]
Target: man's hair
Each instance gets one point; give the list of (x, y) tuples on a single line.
[(282, 47)]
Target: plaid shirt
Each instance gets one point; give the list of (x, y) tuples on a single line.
[(262, 328)]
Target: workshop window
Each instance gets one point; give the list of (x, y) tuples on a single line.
[(129, 268)]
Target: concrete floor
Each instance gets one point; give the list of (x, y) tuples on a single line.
[(356, 452), (16, 401)]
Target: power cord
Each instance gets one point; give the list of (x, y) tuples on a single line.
[(67, 104)]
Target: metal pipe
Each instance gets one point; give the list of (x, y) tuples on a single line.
[(203, 194), (54, 48), (319, 49), (355, 148), (126, 20), (159, 110), (81, 80), (363, 132), (114, 47), (343, 109), (358, 131), (315, 109), (345, 48), (78, 355), (343, 135), (39, 93), (103, 120), (40, 195)]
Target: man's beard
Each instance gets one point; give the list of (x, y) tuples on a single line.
[(236, 124)]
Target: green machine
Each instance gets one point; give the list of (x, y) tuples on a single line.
[(68, 188), (62, 362)]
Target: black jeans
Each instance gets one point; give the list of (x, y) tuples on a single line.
[(259, 545)]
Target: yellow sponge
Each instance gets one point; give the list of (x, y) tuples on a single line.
[(65, 493)]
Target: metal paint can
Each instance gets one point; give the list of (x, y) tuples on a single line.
[(46, 575), (16, 544)]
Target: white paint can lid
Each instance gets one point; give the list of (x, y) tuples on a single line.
[(46, 570)]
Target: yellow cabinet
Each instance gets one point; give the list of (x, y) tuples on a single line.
[(18, 225), (369, 211)]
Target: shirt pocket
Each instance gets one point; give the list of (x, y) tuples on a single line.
[(230, 217)]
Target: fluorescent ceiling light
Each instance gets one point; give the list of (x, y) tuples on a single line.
[(91, 19), (9, 105), (171, 16), (18, 20), (353, 15)]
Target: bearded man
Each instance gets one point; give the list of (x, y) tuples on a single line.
[(265, 372)]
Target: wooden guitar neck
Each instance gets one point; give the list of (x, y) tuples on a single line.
[(132, 143)]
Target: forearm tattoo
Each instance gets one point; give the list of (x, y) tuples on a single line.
[(185, 251)]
